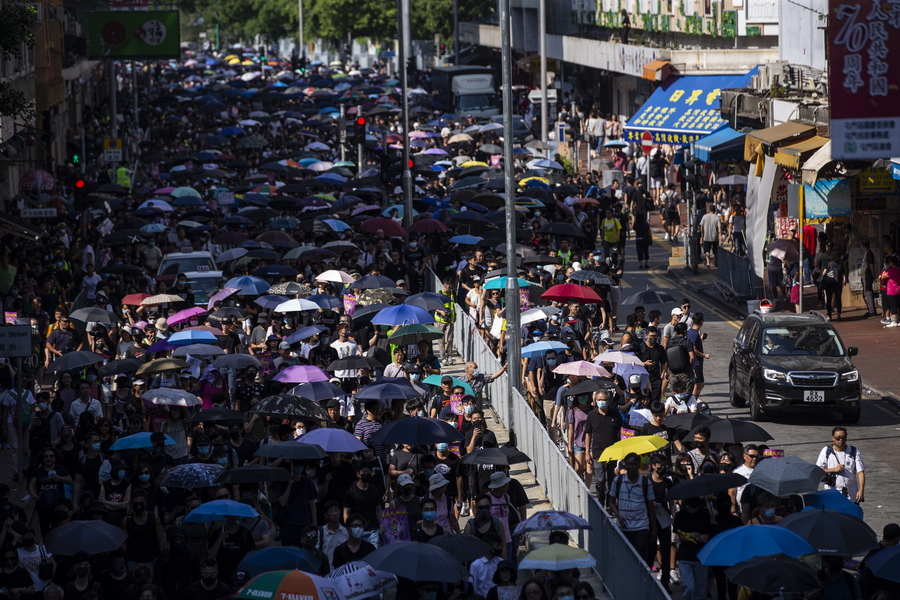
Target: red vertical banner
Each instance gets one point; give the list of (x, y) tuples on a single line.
[(863, 46)]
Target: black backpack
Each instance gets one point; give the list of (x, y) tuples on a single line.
[(677, 355)]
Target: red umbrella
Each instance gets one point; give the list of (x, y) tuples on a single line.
[(389, 227), (427, 226), (134, 299), (571, 291)]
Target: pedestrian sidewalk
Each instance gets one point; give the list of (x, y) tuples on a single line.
[(537, 498), (878, 345)]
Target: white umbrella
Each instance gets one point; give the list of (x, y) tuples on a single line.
[(358, 580), (171, 397), (615, 356), (335, 276), (250, 123), (296, 305), (541, 313)]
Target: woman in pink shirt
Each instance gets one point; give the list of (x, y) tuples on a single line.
[(891, 276)]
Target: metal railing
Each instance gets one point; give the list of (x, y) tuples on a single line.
[(623, 573)]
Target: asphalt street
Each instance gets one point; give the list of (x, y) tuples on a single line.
[(877, 435)]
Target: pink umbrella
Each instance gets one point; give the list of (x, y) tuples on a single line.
[(164, 190), (579, 367), (301, 374), (183, 316), (221, 295)]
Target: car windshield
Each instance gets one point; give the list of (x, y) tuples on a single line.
[(203, 288), (801, 340), (476, 102), (182, 265)]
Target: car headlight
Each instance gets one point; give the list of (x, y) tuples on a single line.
[(773, 375), (850, 376)]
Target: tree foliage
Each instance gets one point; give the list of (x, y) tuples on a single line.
[(17, 31)]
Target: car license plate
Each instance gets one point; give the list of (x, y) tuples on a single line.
[(814, 396)]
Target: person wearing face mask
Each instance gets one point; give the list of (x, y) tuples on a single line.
[(145, 481), (355, 548), (681, 401), (115, 494), (309, 541), (145, 534), (601, 431), (177, 565), (83, 582), (692, 523), (260, 333), (229, 544), (406, 498), (209, 587), (478, 380), (576, 419), (298, 501), (766, 514), (428, 528), (241, 446), (247, 388), (335, 478), (484, 523), (203, 445), (35, 560), (87, 478), (655, 361), (543, 383), (702, 452)]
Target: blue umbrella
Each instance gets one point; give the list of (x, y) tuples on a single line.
[(233, 254), (193, 336), (136, 441), (466, 240), (217, 510), (153, 228), (832, 500), (337, 225), (743, 543), (500, 283), (278, 558), (232, 131), (249, 285), (403, 314), (332, 439), (540, 348), (886, 564), (271, 301), (325, 301), (304, 333), (372, 282)]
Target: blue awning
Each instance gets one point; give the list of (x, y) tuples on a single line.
[(725, 144), (684, 109)]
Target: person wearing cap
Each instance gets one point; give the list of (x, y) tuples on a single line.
[(260, 333), (285, 358), (203, 446), (669, 330), (445, 318), (406, 498), (333, 408), (441, 397)]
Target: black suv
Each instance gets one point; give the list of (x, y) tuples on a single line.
[(790, 362)]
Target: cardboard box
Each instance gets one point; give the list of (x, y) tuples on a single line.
[(676, 261), (678, 251)]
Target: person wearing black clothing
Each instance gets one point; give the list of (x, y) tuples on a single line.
[(209, 587), (116, 578), (309, 541), (725, 520), (47, 486), (242, 447), (363, 499), (83, 582), (177, 565), (13, 578), (655, 360), (600, 432), (355, 548), (655, 427), (661, 483), (229, 544), (246, 389), (229, 341), (694, 530)]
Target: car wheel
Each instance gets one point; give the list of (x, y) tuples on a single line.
[(737, 400), (756, 411), (851, 418)]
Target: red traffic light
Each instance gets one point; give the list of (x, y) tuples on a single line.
[(79, 183), (409, 164), (360, 120)]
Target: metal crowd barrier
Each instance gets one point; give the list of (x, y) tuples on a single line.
[(623, 572)]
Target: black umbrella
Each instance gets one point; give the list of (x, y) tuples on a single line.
[(428, 301), (291, 451), (563, 229), (417, 431), (75, 359), (299, 406), (502, 457), (832, 533), (461, 546), (688, 421), (228, 313), (417, 561), (192, 476), (372, 282), (254, 474), (216, 415), (774, 574), (593, 276), (649, 296), (94, 537), (704, 485), (125, 365), (541, 259), (97, 315), (589, 387), (353, 362), (732, 431)]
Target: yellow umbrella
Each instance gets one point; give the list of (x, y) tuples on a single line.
[(229, 57), (247, 63), (234, 61), (557, 557), (475, 163), (641, 444), (541, 179)]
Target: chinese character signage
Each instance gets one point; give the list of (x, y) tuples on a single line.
[(139, 35), (828, 198), (863, 40), (683, 109)]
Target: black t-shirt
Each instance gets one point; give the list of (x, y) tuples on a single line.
[(343, 554), (657, 354), (395, 272), (660, 489), (49, 491), (690, 523), (232, 551), (89, 469), (244, 451), (198, 592), (229, 342), (604, 429), (365, 502), (342, 477)]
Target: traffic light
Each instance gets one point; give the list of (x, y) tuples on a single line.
[(79, 195), (359, 130)]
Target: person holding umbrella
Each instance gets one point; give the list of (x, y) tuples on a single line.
[(47, 486), (693, 526)]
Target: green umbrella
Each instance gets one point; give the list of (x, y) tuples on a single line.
[(436, 380), (415, 333)]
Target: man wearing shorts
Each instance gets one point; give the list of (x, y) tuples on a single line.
[(695, 340), (709, 227)]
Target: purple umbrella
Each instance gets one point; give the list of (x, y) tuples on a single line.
[(440, 151), (183, 316), (160, 346), (302, 374), (271, 301), (313, 202), (221, 295)]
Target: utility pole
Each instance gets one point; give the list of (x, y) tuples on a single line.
[(542, 39), (403, 25), (513, 330), (456, 32), (342, 133), (300, 41)]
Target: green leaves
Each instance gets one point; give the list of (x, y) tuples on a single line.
[(18, 28)]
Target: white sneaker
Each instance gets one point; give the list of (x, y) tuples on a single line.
[(676, 576), (893, 324)]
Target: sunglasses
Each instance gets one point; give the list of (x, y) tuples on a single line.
[(840, 438), (753, 456)]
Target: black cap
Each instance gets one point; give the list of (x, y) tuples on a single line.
[(333, 403), (446, 379), (891, 531)]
